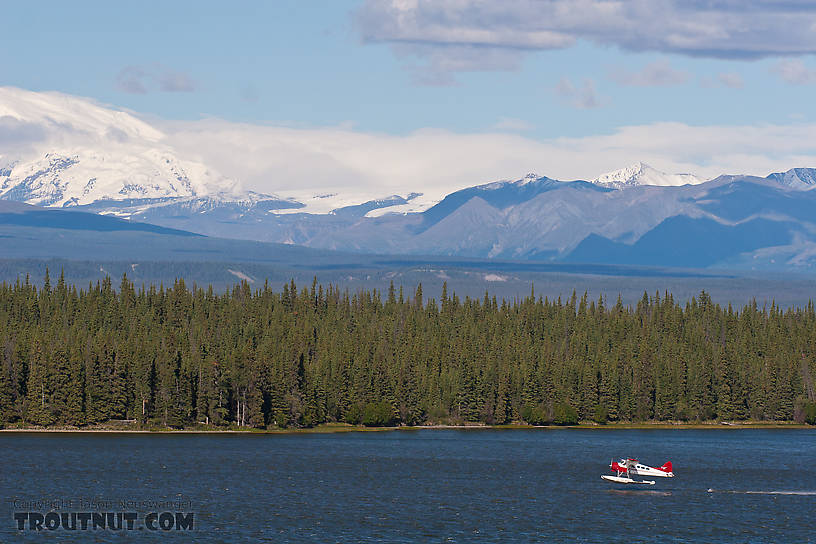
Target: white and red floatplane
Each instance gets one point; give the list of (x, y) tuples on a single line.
[(628, 470)]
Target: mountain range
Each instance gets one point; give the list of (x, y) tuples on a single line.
[(65, 152)]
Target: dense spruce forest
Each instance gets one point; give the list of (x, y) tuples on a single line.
[(300, 357)]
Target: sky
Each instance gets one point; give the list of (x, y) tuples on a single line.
[(569, 89)]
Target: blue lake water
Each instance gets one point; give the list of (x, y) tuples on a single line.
[(540, 485)]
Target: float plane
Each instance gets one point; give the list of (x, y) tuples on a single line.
[(627, 470)]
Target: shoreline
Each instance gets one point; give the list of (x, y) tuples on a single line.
[(345, 428)]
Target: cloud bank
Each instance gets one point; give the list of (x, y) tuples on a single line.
[(308, 161), (293, 162), (449, 36)]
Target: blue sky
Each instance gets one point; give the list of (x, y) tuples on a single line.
[(539, 69), (311, 63)]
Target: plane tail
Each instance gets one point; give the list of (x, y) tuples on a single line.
[(667, 467)]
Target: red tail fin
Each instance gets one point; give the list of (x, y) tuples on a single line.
[(667, 467)]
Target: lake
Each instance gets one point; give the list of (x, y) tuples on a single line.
[(430, 485)]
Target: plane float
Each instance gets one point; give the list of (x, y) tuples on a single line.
[(628, 470)]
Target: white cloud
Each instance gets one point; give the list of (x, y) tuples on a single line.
[(130, 79), (136, 79), (440, 64), (175, 82), (794, 72), (15, 133), (656, 74), (582, 97), (512, 124), (305, 161), (731, 79), (292, 161), (438, 31)]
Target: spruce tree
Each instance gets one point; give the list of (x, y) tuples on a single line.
[(38, 400)]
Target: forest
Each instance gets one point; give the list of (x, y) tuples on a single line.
[(295, 356)]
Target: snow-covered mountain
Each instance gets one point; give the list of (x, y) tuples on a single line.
[(797, 178), (78, 152), (58, 150), (731, 221), (643, 174), (62, 151)]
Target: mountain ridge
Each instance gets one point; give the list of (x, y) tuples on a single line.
[(74, 153), (642, 174)]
